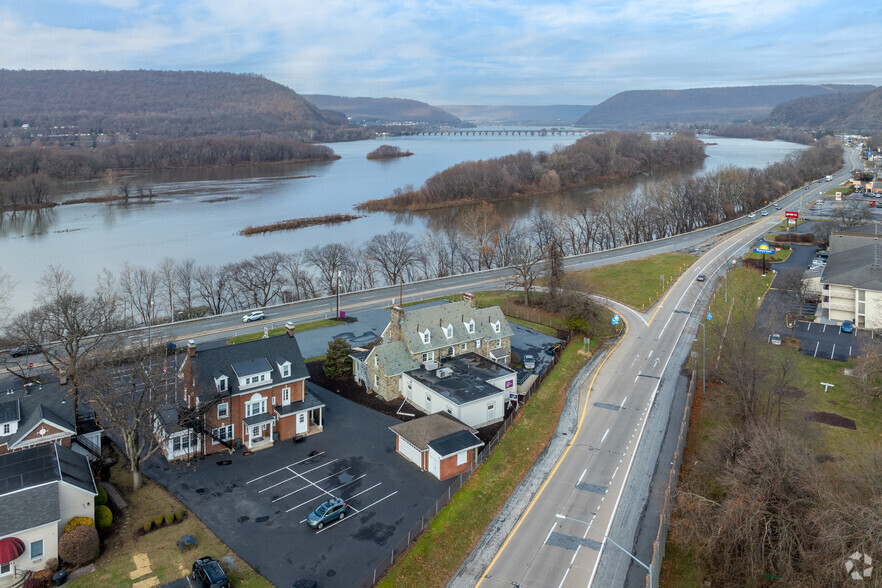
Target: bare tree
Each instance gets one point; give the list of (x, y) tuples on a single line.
[(260, 279), (69, 325), (328, 260), (126, 391), (139, 285), (395, 253), (6, 288), (167, 280), (297, 279), (185, 285), (526, 262), (213, 286)]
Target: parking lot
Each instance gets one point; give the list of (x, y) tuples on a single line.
[(826, 341), (258, 504)]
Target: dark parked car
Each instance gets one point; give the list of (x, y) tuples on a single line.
[(329, 511), (208, 573), (29, 349), (552, 349)]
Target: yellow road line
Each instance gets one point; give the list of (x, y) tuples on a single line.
[(559, 461)]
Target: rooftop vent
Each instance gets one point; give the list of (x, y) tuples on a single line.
[(443, 373), (431, 365)]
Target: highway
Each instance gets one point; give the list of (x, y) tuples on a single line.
[(587, 484)]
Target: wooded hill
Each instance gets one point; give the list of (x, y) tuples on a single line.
[(657, 108), (161, 104), (859, 112), (551, 115), (381, 111)]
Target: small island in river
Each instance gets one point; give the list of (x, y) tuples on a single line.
[(388, 152), (299, 223)]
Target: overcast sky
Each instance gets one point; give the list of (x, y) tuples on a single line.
[(460, 52)]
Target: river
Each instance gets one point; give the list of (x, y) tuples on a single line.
[(179, 223)]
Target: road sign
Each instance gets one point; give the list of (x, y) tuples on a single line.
[(30, 365), (791, 214), (615, 319), (710, 316), (764, 248)]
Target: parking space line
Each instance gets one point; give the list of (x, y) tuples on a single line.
[(816, 348), (328, 492), (356, 512), (285, 467), (824, 330), (849, 350), (834, 351), (305, 487), (363, 491), (296, 475)]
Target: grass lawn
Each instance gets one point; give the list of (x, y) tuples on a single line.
[(319, 324), (438, 553), (635, 283), (845, 190), (167, 562)]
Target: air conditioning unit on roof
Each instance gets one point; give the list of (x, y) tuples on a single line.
[(444, 372)]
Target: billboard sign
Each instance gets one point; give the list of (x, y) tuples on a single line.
[(791, 214), (764, 249)]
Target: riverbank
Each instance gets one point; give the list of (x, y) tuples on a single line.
[(299, 223)]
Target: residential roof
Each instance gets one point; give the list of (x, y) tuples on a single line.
[(266, 354), (855, 258), (10, 411), (454, 314), (419, 432), (394, 358), (454, 443), (470, 380), (39, 465), (28, 509), (258, 419), (42, 400), (310, 401)]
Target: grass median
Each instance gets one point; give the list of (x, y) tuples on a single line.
[(438, 553), (319, 324)]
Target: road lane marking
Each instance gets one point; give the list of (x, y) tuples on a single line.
[(602, 439), (624, 401), (614, 473), (650, 353), (585, 471), (559, 461), (816, 348)]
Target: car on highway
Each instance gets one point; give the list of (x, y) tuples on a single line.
[(775, 339), (700, 278), (529, 362), (847, 327), (256, 315), (777, 207), (207, 573), (751, 215), (332, 510), (24, 350), (765, 213)]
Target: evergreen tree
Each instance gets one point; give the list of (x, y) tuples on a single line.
[(338, 364)]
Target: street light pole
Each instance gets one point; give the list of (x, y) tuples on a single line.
[(149, 340), (338, 293), (628, 553)]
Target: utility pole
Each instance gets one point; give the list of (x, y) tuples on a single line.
[(338, 293)]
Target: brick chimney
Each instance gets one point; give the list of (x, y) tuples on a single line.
[(289, 328), (191, 348), (395, 323), (470, 298)]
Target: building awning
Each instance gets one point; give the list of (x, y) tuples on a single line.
[(10, 548), (498, 354), (258, 419)]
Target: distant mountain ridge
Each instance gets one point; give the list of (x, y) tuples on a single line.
[(859, 112), (363, 110), (655, 108), (163, 103), (557, 114)]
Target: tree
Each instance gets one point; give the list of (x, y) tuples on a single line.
[(213, 286), (792, 285), (554, 269), (128, 391), (69, 325), (526, 263), (6, 288), (185, 285), (395, 253), (260, 279), (140, 285), (337, 362), (168, 270), (329, 259)]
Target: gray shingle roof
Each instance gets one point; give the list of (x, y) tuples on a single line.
[(42, 400), (455, 314), (454, 443), (10, 411), (220, 360), (854, 261), (394, 358), (30, 508), (420, 431)]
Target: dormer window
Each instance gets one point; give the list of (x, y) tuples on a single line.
[(7, 429), (222, 384), (427, 337), (448, 331), (285, 369), (496, 326), (470, 326)]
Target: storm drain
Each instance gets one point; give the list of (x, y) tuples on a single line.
[(571, 542)]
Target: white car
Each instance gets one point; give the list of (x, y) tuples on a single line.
[(751, 215), (775, 339), (765, 213), (256, 315), (529, 362)]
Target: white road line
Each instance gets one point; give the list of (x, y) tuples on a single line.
[(824, 330), (624, 401), (328, 492), (285, 467), (849, 350), (564, 579), (304, 487), (585, 471), (296, 475), (816, 349), (615, 472), (833, 351), (363, 491), (650, 353), (550, 531), (808, 326), (637, 378), (602, 439)]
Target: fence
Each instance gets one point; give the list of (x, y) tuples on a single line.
[(658, 546), (486, 451)]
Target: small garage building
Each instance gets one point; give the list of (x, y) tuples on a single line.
[(439, 444)]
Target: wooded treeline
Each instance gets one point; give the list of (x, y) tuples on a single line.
[(764, 133), (598, 158)]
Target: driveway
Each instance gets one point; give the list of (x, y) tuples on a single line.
[(257, 504)]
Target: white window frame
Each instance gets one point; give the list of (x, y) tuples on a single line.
[(428, 356), (478, 344), (225, 433), (448, 331), (222, 384), (7, 429), (31, 549), (464, 348), (497, 326), (462, 457), (286, 395), (427, 337), (470, 326), (5, 569), (376, 381), (497, 343), (255, 407), (376, 363), (285, 370), (226, 410)]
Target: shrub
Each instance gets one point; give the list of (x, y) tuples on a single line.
[(180, 514), (79, 522), (157, 520), (52, 564), (169, 518), (79, 546), (515, 357), (103, 517), (33, 582), (148, 524), (101, 499)]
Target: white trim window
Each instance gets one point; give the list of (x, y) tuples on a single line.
[(7, 429), (376, 381), (428, 356), (478, 344), (497, 343), (285, 369), (221, 434), (257, 405), (427, 336), (464, 347), (182, 441), (222, 384), (5, 569), (448, 331), (470, 326), (223, 410), (462, 457), (286, 396), (496, 326), (36, 549)]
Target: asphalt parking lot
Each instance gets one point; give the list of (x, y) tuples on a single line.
[(526, 341), (826, 341), (258, 504)]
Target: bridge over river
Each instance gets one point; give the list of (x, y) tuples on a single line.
[(536, 132)]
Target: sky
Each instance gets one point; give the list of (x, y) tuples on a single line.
[(513, 52)]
